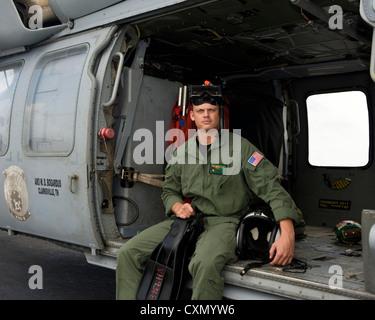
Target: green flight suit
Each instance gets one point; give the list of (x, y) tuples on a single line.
[(219, 183)]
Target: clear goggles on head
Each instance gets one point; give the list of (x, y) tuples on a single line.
[(200, 94)]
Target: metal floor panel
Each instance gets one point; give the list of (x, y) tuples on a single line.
[(335, 271)]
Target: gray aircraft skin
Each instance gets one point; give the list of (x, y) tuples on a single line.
[(88, 97)]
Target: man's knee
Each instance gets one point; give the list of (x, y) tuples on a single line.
[(205, 263), (127, 252)]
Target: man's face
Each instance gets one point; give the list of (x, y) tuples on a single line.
[(206, 116)]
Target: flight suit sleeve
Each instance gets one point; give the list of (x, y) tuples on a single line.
[(263, 179), (172, 187)]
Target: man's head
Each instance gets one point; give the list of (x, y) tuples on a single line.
[(206, 116), (206, 101)]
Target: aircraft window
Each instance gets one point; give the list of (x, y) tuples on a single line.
[(338, 129), (50, 111), (8, 79)]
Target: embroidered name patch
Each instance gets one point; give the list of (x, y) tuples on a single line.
[(255, 159), (218, 168)]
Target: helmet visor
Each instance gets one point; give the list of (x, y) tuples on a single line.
[(260, 232)]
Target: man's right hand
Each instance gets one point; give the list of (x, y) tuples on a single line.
[(183, 210)]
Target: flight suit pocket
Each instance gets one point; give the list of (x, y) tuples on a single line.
[(229, 235), (217, 175), (191, 181)]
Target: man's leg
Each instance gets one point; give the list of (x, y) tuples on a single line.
[(215, 247), (132, 258)]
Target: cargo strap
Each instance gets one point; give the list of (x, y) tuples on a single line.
[(132, 175)]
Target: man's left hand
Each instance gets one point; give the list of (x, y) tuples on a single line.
[(282, 250)]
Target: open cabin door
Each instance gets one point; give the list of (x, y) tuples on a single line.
[(51, 161)]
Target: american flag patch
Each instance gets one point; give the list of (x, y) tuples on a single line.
[(255, 159)]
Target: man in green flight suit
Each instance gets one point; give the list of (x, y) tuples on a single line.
[(218, 171)]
